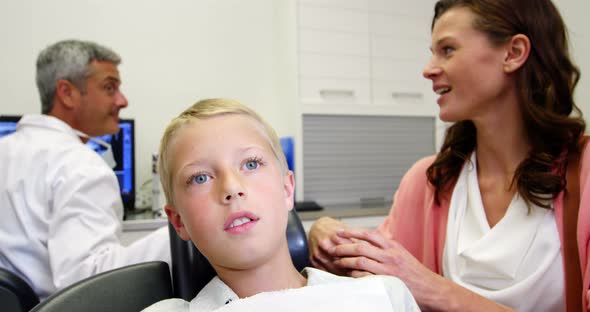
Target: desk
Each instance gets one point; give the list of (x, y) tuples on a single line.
[(140, 224)]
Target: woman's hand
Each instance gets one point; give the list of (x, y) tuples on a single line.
[(368, 252), (371, 253), (322, 237)]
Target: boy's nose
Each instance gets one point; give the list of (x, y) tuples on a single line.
[(229, 197), (232, 188)]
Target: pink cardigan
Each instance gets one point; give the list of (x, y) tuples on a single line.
[(419, 224)]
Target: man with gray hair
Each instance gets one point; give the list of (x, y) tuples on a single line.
[(60, 201)]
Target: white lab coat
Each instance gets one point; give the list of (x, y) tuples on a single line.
[(61, 209)]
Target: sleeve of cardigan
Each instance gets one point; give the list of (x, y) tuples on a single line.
[(406, 220), (584, 220)]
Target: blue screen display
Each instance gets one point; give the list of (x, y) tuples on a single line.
[(122, 143), (7, 127)]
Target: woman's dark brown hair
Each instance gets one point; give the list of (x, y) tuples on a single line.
[(546, 84)]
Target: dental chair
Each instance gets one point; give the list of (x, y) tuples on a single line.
[(15, 294), (135, 287), (191, 271), (130, 288)]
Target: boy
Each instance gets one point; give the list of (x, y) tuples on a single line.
[(229, 191)]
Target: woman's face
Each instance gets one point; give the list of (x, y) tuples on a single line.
[(465, 68)]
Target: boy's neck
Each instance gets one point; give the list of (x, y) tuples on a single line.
[(277, 274)]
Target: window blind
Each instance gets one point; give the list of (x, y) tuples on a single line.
[(360, 160)]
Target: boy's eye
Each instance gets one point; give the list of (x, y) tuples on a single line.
[(200, 179), (252, 164)]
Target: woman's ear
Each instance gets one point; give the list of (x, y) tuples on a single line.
[(176, 221), (518, 49)]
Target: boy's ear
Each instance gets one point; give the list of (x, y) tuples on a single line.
[(289, 187), (518, 50), (176, 221)]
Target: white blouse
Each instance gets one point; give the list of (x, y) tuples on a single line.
[(517, 263)]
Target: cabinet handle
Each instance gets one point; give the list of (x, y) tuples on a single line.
[(336, 94), (407, 95)]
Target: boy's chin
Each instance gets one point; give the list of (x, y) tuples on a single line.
[(244, 261)]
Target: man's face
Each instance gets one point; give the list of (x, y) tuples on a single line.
[(101, 100)]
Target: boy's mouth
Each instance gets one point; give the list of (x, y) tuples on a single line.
[(238, 219)]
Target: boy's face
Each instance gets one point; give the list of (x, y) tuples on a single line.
[(231, 197)]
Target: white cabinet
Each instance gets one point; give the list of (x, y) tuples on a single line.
[(334, 55), (364, 56)]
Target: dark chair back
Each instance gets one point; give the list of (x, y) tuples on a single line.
[(15, 294), (191, 271), (130, 288)]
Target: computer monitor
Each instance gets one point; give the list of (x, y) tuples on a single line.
[(8, 124), (123, 145)]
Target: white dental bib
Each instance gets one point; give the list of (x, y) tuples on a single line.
[(517, 262)]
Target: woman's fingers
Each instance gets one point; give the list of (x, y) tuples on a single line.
[(360, 266), (371, 237), (338, 240), (356, 273)]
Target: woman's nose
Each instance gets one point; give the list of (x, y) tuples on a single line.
[(430, 70)]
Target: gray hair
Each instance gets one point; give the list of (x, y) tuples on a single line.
[(68, 60)]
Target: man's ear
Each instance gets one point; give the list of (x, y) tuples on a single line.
[(176, 221), (289, 188), (67, 94), (518, 49)]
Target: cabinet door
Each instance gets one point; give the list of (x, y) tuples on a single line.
[(399, 85), (330, 79), (403, 7), (399, 42), (338, 4), (334, 56), (364, 57)]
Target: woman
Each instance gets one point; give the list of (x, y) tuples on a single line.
[(478, 227)]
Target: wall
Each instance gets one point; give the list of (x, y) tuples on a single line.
[(575, 15), (177, 52), (173, 55)]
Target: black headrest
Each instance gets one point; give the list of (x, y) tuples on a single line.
[(15, 293)]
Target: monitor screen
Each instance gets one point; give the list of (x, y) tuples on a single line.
[(123, 145), (8, 124)]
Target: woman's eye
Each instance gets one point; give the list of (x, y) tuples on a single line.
[(200, 179), (252, 164), (447, 50)]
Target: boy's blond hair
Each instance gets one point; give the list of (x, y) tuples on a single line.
[(202, 110)]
